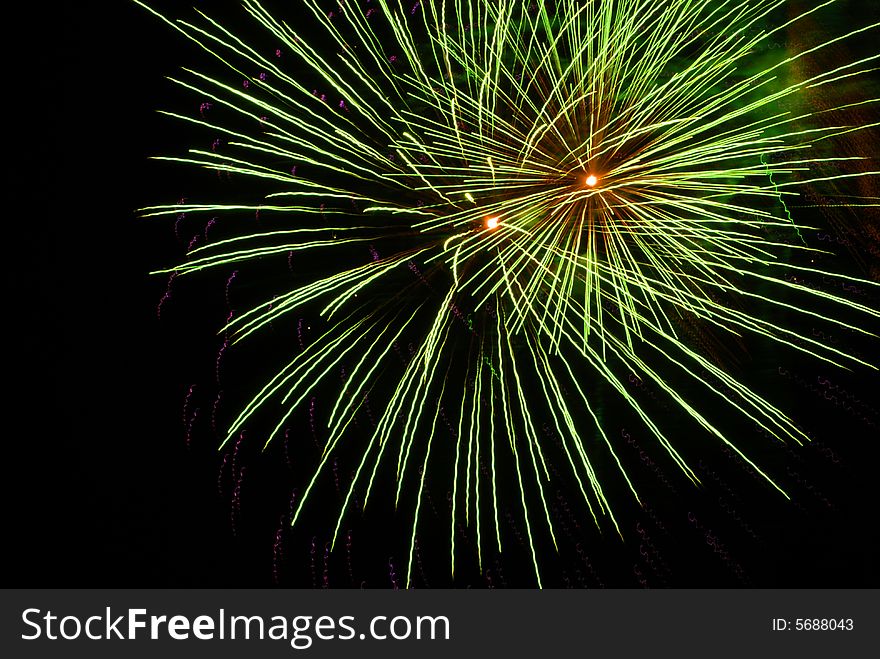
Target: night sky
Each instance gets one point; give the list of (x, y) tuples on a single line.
[(103, 487)]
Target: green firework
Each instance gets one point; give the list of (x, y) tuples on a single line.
[(560, 188)]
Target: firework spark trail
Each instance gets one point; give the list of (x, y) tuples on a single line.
[(590, 172)]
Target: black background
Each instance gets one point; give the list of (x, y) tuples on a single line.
[(102, 490)]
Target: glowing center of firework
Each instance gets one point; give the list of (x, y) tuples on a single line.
[(492, 223), (591, 181)]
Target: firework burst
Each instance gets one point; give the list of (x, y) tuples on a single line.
[(555, 198)]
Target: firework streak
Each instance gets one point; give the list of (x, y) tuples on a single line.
[(554, 198)]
